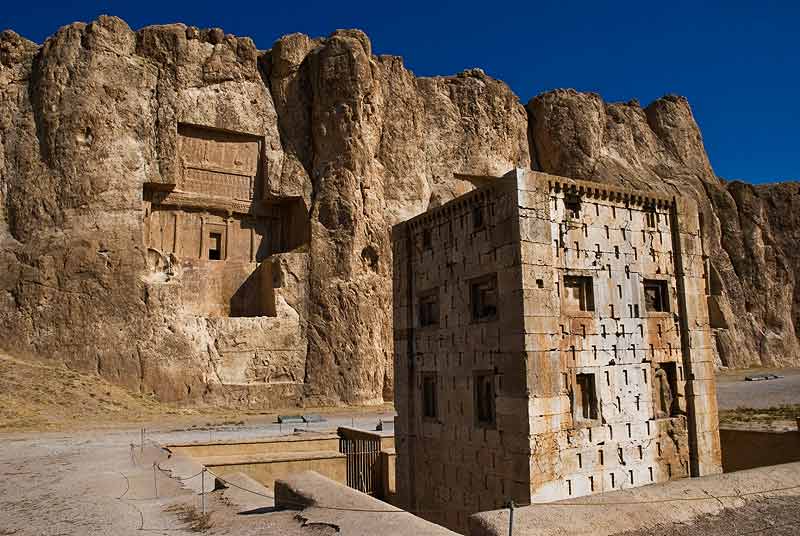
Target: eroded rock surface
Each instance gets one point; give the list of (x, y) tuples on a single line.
[(108, 137), (751, 232)]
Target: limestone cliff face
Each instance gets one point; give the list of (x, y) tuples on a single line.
[(751, 232), (90, 137), (90, 120)]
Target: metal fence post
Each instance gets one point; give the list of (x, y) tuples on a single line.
[(511, 518)]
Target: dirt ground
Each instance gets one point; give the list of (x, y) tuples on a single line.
[(773, 517), (66, 464), (42, 396), (734, 392), (759, 405), (95, 483)]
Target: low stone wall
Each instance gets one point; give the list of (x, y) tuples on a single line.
[(268, 459), (300, 443), (682, 501), (353, 513), (267, 469)]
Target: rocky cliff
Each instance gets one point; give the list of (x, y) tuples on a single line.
[(90, 132), (751, 232)]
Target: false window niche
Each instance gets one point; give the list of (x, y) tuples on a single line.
[(572, 206), (584, 397), (665, 385), (478, 219), (429, 309), (427, 239), (430, 408), (578, 293), (656, 295), (650, 218), (483, 298), (484, 399)]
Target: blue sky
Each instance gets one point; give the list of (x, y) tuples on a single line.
[(738, 63)]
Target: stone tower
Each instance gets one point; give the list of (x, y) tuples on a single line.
[(551, 341)]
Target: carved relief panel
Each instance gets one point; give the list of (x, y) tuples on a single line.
[(217, 163)]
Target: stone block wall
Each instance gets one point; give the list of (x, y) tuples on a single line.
[(449, 462), (598, 351), (609, 376)]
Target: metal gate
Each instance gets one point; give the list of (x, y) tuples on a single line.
[(363, 459)]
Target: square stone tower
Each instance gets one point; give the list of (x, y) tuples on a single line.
[(551, 341)]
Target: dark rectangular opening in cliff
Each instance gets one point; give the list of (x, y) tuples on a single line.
[(427, 240), (214, 246), (650, 218)]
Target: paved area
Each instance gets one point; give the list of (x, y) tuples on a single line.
[(88, 483), (733, 392)]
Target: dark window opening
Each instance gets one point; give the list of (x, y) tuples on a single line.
[(579, 293), (484, 298), (477, 218), (427, 242), (429, 309), (585, 397), (484, 398), (656, 296), (215, 246), (650, 218), (665, 384), (572, 205), (429, 398)]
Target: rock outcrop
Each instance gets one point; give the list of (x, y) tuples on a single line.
[(751, 232), (95, 125), (91, 122)]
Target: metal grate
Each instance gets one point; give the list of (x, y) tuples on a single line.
[(363, 460)]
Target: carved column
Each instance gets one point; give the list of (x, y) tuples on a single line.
[(227, 235), (176, 233), (252, 242), (202, 234)]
